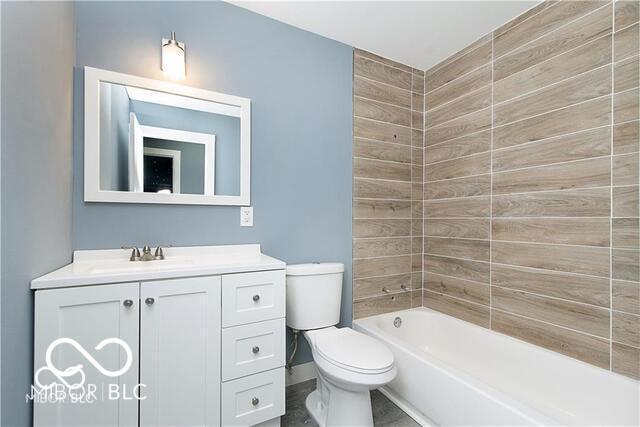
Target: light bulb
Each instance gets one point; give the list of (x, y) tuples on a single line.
[(173, 58)]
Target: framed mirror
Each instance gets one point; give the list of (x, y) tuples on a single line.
[(151, 141)]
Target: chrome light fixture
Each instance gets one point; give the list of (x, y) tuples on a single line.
[(173, 58)]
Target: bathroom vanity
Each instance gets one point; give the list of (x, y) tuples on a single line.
[(195, 339)]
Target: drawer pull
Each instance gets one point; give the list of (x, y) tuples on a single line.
[(255, 401), (149, 301), (127, 303), (256, 298), (255, 349)]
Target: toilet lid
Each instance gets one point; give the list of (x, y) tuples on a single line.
[(351, 349)]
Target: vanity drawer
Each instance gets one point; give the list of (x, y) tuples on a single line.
[(252, 348), (253, 399), (252, 297)]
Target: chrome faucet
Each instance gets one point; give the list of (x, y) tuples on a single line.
[(135, 252), (146, 253), (159, 253)]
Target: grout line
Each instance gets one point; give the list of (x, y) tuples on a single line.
[(554, 57), (454, 139), (557, 83), (460, 299), (491, 186), (383, 179), (399, 144), (381, 160), (512, 51), (612, 106), (426, 254), (384, 103), (552, 137), (355, 53), (456, 158), (552, 164), (360, 76), (553, 324), (382, 256), (440, 106), (448, 122), (553, 110), (475, 282), (524, 242), (627, 58), (521, 168), (412, 196), (382, 121), (525, 20), (623, 28), (383, 276), (444, 85), (383, 237), (391, 293), (539, 270), (515, 49), (378, 199), (460, 157), (424, 171), (552, 297), (523, 217)]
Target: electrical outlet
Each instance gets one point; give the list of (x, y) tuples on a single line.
[(246, 216)]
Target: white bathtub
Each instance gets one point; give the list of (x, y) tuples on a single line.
[(451, 372)]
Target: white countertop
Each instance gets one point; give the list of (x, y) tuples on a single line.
[(113, 265)]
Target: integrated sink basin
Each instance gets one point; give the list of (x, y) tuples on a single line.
[(113, 265), (129, 266)]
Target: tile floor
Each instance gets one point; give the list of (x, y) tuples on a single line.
[(385, 413)]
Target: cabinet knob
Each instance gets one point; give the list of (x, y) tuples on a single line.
[(149, 301), (127, 303), (256, 298), (255, 401), (255, 349)]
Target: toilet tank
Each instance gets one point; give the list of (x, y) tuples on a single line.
[(314, 292)]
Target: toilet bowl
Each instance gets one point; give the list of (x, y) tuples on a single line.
[(349, 364)]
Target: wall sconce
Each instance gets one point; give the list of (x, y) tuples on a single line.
[(173, 58)]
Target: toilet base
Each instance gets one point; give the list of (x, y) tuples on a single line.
[(330, 405)]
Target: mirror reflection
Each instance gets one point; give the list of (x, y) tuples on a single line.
[(157, 142)]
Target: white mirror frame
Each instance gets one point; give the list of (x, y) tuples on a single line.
[(92, 191)]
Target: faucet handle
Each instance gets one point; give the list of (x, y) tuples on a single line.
[(135, 252), (159, 253)]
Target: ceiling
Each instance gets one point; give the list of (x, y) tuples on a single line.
[(416, 33)]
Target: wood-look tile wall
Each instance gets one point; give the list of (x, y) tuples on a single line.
[(531, 182), (388, 100)]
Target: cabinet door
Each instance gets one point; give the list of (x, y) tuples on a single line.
[(88, 315), (180, 352)]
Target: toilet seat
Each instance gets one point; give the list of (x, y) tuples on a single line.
[(352, 351)]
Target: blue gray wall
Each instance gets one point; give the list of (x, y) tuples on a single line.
[(300, 85), (37, 66)]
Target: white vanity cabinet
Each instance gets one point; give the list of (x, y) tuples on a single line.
[(206, 350), (88, 316), (180, 351)]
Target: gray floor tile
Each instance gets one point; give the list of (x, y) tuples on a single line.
[(385, 413)]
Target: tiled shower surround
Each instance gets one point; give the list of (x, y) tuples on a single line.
[(531, 141), (388, 161)]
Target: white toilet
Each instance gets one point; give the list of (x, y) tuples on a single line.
[(349, 363)]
